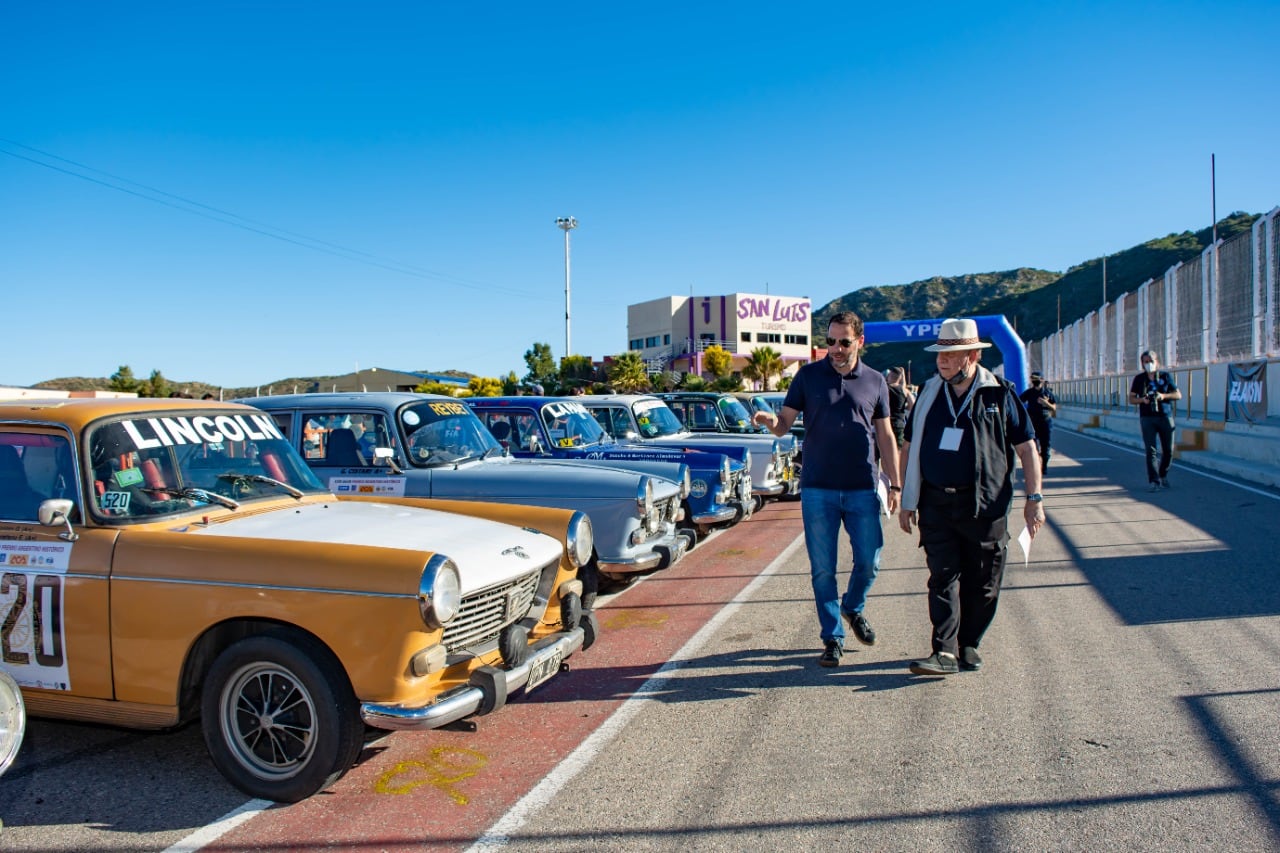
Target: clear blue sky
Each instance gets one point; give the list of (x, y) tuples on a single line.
[(242, 192)]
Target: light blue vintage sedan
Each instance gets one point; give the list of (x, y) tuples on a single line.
[(562, 428), (422, 445), (646, 419)]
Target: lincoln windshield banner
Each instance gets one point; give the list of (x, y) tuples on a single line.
[(1247, 391)]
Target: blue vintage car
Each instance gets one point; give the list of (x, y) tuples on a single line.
[(645, 419), (562, 428), (422, 445)]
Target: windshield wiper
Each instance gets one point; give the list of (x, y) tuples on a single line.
[(237, 479), (195, 494)]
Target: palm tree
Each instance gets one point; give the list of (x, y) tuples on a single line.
[(628, 373), (765, 363)]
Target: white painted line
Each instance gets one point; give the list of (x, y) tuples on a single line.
[(1181, 467), (211, 833), (498, 835), (220, 827)]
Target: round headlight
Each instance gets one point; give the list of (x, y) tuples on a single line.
[(439, 592), (686, 481), (724, 470), (644, 497), (777, 453), (580, 539)]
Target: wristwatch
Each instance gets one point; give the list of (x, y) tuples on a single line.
[(895, 488), (1037, 497)]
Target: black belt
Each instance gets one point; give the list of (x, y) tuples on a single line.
[(950, 490)]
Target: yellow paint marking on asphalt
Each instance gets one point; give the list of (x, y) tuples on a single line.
[(447, 766), (635, 619)]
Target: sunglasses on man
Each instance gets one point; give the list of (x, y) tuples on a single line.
[(839, 342)]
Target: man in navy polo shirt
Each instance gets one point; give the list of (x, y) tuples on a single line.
[(846, 418)]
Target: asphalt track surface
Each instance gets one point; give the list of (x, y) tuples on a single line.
[(1130, 700)]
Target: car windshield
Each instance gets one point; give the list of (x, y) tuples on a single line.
[(445, 432), (165, 463), (569, 424), (655, 419), (734, 413)]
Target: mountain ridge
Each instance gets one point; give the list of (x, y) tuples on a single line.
[(1037, 302)]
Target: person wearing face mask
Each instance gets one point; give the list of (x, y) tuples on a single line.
[(1151, 391), (1041, 406), (846, 418), (957, 484)]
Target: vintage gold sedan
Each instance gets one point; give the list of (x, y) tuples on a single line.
[(162, 560)]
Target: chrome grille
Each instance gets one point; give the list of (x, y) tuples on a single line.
[(486, 612)]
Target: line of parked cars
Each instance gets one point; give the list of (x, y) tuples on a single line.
[(300, 571)]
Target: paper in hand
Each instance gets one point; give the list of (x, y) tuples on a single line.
[(1024, 539)]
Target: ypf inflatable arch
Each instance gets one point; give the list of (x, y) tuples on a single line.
[(995, 327)]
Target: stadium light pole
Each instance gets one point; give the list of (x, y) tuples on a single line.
[(566, 224)]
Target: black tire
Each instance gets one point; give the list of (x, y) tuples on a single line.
[(280, 753), (590, 577)]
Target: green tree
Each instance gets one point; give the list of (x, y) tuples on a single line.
[(484, 386), (693, 382), (123, 380), (576, 371), (542, 367), (155, 386), (730, 383), (784, 382), (763, 365), (628, 373), (430, 387), (510, 383), (718, 361)]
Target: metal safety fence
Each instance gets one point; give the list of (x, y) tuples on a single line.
[(1218, 307)]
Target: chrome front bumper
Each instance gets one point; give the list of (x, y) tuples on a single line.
[(659, 558), (480, 694), (725, 513)]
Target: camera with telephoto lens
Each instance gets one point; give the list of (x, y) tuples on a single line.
[(1153, 396)]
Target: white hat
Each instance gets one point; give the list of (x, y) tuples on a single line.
[(956, 335)]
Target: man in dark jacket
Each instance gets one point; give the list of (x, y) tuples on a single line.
[(957, 483), (1151, 391), (1041, 406)]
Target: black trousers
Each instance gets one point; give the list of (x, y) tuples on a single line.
[(1044, 433), (1153, 429), (966, 558)]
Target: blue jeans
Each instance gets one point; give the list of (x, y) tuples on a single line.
[(824, 511)]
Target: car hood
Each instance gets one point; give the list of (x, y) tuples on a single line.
[(520, 479), (486, 552)]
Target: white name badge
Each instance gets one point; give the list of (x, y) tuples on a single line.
[(950, 439)]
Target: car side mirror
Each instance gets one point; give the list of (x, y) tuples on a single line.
[(386, 456), (56, 511)]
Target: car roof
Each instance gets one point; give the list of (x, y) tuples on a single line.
[(78, 412), (620, 398), (518, 400), (343, 398)]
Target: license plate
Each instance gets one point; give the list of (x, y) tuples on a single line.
[(543, 670)]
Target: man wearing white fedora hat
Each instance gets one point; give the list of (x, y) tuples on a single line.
[(957, 484)]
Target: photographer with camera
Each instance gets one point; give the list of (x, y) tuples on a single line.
[(1151, 391)]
